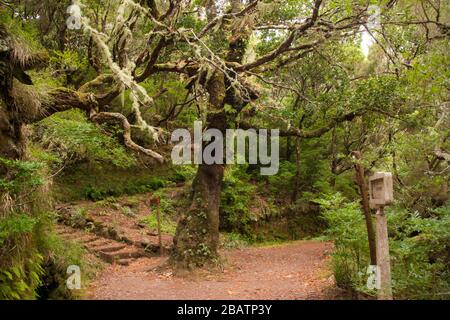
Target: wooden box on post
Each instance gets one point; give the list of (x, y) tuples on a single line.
[(381, 190)]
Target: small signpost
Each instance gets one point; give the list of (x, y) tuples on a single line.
[(382, 194), (158, 219), (156, 201)]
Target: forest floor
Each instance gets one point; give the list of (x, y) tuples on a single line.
[(115, 232), (297, 270)]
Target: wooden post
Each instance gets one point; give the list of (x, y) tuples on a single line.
[(158, 219), (381, 195), (366, 208), (383, 258)]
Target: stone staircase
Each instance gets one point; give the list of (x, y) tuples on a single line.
[(110, 251)]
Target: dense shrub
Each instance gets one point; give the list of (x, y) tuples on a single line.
[(23, 222), (183, 174), (72, 138), (60, 254), (97, 193), (33, 261), (236, 199)]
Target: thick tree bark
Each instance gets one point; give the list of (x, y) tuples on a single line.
[(21, 105), (197, 236), (12, 142), (12, 138)]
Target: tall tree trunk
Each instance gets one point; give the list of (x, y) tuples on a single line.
[(197, 237)]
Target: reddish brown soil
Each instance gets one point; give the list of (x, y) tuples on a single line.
[(130, 227), (292, 271)]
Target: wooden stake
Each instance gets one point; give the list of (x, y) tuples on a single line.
[(383, 258), (158, 219), (366, 208)]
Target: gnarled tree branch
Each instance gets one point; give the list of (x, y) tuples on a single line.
[(129, 143)]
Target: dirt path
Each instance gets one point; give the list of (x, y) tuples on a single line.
[(291, 271)]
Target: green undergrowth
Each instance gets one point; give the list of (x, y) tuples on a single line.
[(62, 254), (33, 260), (98, 183), (24, 220), (419, 248), (168, 209), (260, 214), (72, 138), (168, 226), (232, 240)]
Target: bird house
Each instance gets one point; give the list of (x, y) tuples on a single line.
[(381, 189)]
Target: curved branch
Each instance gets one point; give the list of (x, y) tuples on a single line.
[(129, 143), (34, 107), (315, 133)]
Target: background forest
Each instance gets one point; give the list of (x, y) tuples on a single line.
[(86, 115)]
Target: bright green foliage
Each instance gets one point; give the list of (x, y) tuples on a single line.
[(142, 185), (14, 225), (168, 226), (21, 280), (284, 178), (74, 139), (67, 60), (23, 175), (347, 229), (236, 202), (419, 249), (234, 240), (420, 253)]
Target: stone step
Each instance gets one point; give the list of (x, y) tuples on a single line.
[(100, 242), (82, 238), (110, 248), (64, 231), (89, 239), (125, 253)]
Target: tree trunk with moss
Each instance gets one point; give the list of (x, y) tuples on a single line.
[(12, 142), (20, 103), (197, 236)]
